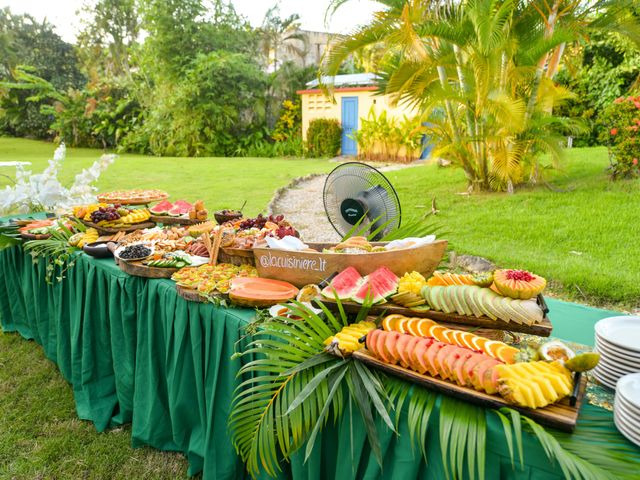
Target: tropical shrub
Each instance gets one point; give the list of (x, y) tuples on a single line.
[(289, 124), (217, 104), (598, 73), (623, 119), (381, 137), (323, 137), (489, 66)]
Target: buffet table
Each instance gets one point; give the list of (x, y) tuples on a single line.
[(134, 352)]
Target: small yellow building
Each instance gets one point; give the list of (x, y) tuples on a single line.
[(354, 97)]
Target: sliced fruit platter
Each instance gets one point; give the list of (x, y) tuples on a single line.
[(133, 197), (196, 284), (113, 218), (504, 299), (179, 212), (470, 366), (41, 229)]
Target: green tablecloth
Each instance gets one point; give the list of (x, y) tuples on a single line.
[(135, 352)]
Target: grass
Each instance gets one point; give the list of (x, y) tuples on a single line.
[(221, 182), (584, 239), (42, 438)]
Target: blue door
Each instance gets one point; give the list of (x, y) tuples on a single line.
[(349, 125)]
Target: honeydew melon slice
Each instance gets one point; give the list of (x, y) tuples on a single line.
[(514, 313), (485, 303), (499, 309), (531, 310), (445, 300), (471, 295)]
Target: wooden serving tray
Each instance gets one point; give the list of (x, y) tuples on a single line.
[(169, 220), (31, 236), (559, 415), (103, 230), (137, 269), (146, 201), (192, 295), (542, 329)]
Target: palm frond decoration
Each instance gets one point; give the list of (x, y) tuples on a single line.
[(291, 388)]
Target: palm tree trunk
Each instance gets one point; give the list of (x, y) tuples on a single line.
[(543, 64)]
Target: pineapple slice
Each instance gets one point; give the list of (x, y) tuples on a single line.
[(533, 384)]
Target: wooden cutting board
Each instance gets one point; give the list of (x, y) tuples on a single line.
[(559, 415), (131, 228), (169, 220), (542, 329)]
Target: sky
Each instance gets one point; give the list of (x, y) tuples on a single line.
[(62, 13)]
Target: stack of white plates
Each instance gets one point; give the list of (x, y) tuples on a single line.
[(626, 407), (618, 341)]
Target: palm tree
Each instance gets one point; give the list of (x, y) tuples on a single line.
[(488, 65), (278, 34)]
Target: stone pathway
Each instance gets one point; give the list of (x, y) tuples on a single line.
[(301, 204)]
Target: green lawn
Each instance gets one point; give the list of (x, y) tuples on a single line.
[(221, 182), (42, 438), (584, 240)]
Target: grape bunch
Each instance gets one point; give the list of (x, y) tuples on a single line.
[(288, 230), (260, 221), (108, 214)]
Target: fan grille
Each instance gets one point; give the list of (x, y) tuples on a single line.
[(361, 182)]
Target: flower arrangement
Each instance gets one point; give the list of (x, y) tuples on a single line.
[(623, 120), (44, 192)]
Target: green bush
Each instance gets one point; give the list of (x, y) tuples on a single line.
[(292, 147), (623, 120), (323, 138)]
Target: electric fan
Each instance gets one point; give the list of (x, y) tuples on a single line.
[(354, 190)]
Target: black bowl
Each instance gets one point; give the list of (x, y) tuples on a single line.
[(98, 250)]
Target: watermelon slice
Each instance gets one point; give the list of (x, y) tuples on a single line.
[(343, 284), (161, 208), (379, 284)]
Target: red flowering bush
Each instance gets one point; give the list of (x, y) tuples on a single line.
[(623, 120)]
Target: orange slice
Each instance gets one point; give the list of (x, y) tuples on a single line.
[(479, 343), (467, 339), (457, 339), (437, 332), (422, 326), (390, 321), (507, 354), (492, 348), (401, 325), (448, 335), (413, 327)]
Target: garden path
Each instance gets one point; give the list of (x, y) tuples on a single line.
[(301, 204)]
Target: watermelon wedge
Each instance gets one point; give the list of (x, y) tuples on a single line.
[(161, 208), (379, 285), (344, 284)]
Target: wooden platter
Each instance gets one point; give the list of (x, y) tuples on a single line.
[(169, 220), (542, 329), (145, 201), (192, 294), (31, 236), (560, 415), (137, 269), (104, 230)]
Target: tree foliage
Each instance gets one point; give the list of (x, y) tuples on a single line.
[(488, 65), (24, 41)]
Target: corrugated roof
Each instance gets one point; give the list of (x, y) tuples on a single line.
[(350, 80)]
